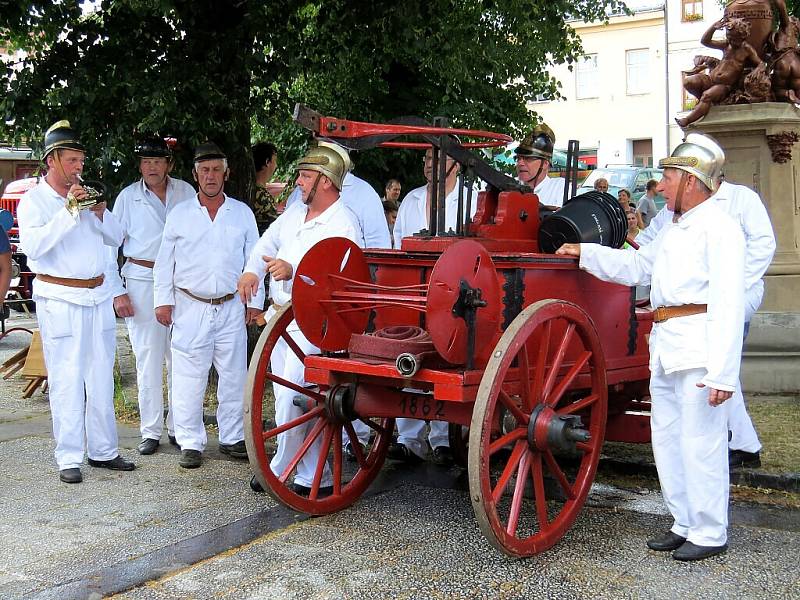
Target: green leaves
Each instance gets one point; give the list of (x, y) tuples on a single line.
[(232, 71)]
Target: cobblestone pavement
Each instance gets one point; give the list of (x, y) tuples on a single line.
[(163, 532)]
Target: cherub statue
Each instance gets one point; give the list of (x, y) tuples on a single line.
[(724, 76), (786, 63)]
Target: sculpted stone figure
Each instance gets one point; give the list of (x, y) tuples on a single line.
[(724, 75), (786, 65)]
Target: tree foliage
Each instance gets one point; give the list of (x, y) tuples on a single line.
[(232, 71)]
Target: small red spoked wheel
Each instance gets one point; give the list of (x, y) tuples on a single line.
[(320, 420), (537, 428)]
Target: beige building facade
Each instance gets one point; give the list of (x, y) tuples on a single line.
[(621, 100)]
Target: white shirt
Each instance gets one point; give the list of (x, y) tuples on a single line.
[(203, 256), (698, 260), (551, 191), (360, 197), (746, 208), (142, 216), (412, 215), (290, 236), (58, 244)]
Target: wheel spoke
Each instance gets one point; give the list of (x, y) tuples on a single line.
[(570, 409), (355, 444), (337, 461), (523, 365), (511, 406), (558, 359), (374, 426), (508, 471), (322, 460), (538, 491), (271, 433), (568, 379), (541, 361), (552, 465), (315, 432), (294, 387), (513, 436), (293, 345), (519, 491)]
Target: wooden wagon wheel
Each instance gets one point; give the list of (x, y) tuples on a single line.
[(324, 418), (549, 440)]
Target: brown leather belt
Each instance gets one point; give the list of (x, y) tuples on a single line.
[(211, 301), (662, 313), (73, 283), (141, 262)]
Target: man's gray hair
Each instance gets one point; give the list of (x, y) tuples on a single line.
[(224, 163)]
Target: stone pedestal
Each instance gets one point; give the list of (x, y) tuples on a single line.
[(753, 136), (742, 132)]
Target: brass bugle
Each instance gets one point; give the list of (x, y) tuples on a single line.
[(94, 194)]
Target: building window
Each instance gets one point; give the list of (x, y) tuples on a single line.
[(637, 65), (587, 78), (541, 98), (691, 10)]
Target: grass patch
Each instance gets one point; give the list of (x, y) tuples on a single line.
[(125, 407), (775, 419)]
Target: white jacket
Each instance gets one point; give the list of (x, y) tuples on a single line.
[(698, 260)]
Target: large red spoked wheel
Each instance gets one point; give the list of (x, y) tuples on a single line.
[(537, 428), (325, 417)]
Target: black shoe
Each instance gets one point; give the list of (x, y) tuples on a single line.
[(237, 450), (255, 486), (115, 464), (73, 475), (740, 459), (398, 451), (666, 542), (173, 441), (442, 456), (302, 490), (350, 455), (190, 459), (690, 551), (147, 446)]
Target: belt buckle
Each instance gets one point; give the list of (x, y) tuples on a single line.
[(660, 314)]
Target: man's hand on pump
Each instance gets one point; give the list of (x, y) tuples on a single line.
[(569, 250)]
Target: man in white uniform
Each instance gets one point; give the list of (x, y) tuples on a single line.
[(141, 209), (534, 155), (204, 249), (320, 215), (412, 217), (361, 198), (68, 248), (696, 269), (747, 209)]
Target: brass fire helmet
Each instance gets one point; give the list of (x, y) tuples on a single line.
[(700, 156), (538, 143), (331, 160), (61, 135)]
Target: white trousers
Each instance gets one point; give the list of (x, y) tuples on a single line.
[(411, 433), (285, 364), (203, 335), (691, 452), (79, 346), (743, 434), (150, 343)]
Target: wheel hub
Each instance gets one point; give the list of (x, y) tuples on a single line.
[(339, 404), (549, 430)]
